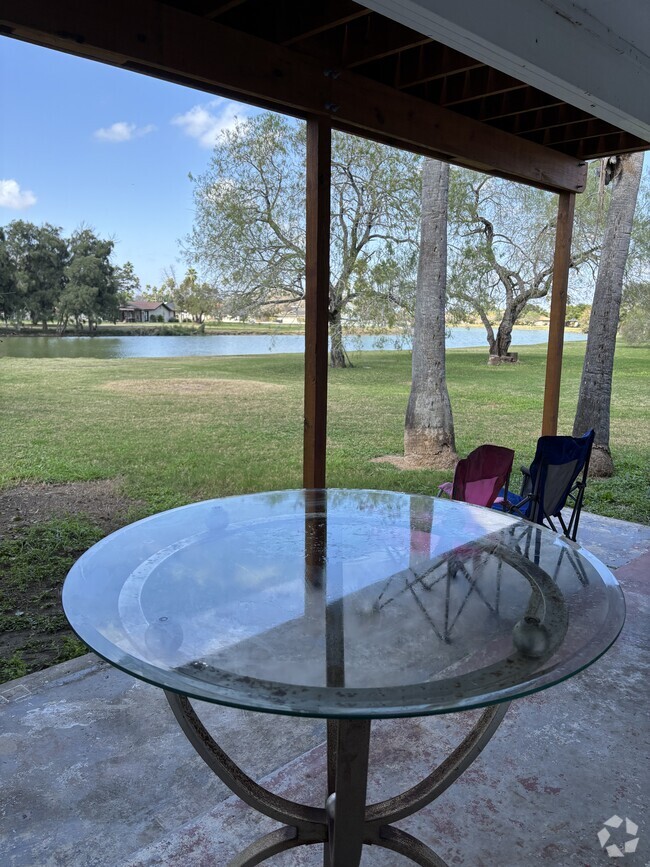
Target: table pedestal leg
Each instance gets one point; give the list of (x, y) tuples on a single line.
[(347, 822), (346, 806)]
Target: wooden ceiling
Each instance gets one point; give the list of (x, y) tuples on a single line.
[(348, 36), (336, 59)]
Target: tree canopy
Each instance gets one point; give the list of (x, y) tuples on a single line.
[(92, 285), (249, 227), (502, 241), (39, 255), (49, 277)]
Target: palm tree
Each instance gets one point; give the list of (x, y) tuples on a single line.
[(429, 428), (596, 383)]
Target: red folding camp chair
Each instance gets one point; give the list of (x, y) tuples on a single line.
[(480, 476)]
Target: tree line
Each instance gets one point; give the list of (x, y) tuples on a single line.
[(47, 277)]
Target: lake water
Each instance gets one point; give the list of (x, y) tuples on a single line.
[(237, 344)]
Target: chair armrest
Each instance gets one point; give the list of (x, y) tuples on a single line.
[(525, 470)]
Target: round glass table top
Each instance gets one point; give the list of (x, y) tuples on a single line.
[(343, 603)]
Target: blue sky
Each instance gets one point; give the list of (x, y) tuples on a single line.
[(84, 142)]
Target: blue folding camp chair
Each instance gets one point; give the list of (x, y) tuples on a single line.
[(556, 479)]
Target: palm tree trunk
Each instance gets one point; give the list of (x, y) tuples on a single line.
[(596, 383), (429, 427)]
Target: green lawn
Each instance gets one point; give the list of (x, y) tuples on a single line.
[(176, 430)]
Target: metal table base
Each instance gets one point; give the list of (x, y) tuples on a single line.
[(346, 823)]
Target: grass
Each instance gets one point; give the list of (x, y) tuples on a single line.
[(178, 430), (34, 632)]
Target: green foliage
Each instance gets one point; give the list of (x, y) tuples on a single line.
[(249, 228), (191, 295), (128, 283), (635, 312), (502, 238), (575, 311), (12, 668), (70, 647), (48, 277), (39, 255), (45, 550), (10, 296), (92, 285)]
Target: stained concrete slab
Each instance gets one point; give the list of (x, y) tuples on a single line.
[(95, 771), (563, 762), (614, 542), (94, 766)]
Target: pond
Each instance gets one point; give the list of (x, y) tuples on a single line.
[(236, 344)]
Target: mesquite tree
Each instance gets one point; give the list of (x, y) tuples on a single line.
[(502, 238), (249, 226)]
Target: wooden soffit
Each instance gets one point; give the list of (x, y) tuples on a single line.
[(367, 74)]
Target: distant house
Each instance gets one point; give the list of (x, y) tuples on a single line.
[(147, 311), (542, 322)]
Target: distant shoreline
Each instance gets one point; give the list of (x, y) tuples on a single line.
[(230, 330)]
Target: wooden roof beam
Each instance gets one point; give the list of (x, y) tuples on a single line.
[(477, 85), (311, 19), (206, 8), (224, 7), (376, 38), (619, 142), (175, 45), (586, 129), (543, 119), (357, 46), (508, 105), (432, 62)]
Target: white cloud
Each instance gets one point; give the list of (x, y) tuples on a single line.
[(11, 196), (205, 122), (122, 131)]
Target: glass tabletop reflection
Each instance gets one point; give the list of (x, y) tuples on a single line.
[(343, 603)]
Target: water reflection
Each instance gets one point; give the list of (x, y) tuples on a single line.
[(231, 344)]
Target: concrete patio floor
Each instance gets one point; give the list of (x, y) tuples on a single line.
[(95, 772)]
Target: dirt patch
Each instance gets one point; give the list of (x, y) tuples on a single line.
[(100, 501), (218, 387)]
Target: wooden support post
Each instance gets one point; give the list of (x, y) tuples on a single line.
[(561, 263), (317, 278)]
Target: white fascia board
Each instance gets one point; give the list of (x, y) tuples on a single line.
[(554, 45)]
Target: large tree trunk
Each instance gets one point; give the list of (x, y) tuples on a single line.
[(504, 336), (429, 428), (596, 383), (338, 355)]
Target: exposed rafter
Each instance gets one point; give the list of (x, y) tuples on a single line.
[(173, 44), (313, 59)]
